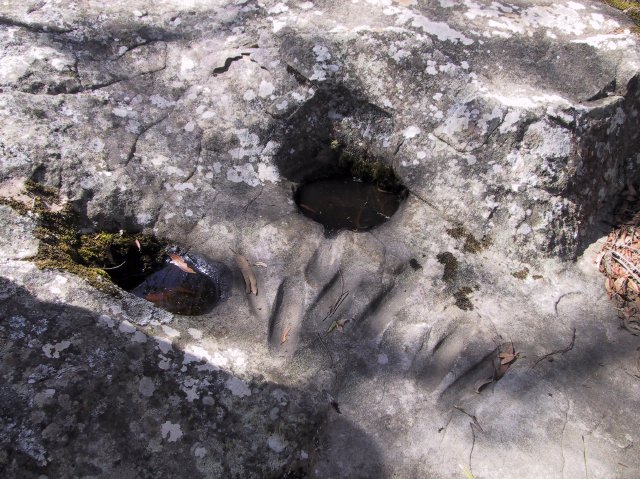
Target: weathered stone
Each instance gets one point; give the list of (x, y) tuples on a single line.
[(514, 127)]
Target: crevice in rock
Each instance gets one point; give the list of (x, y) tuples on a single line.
[(606, 91), (227, 64), (34, 27), (146, 128)]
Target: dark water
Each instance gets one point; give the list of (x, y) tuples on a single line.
[(345, 203), (183, 292)]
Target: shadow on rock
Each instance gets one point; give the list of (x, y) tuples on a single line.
[(83, 395)]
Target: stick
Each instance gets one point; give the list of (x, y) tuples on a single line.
[(559, 351), (475, 419)]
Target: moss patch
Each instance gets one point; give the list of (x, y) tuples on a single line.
[(99, 258), (521, 274), (462, 300), (450, 263), (471, 244), (632, 9), (371, 170)]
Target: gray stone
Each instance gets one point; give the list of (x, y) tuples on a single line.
[(513, 122)]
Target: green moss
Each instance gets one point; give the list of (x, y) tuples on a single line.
[(632, 9), (61, 247), (368, 169), (38, 189), (450, 263), (521, 274)]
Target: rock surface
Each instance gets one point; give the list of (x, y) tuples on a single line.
[(514, 126)]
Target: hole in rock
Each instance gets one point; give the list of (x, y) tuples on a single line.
[(187, 283), (360, 194), (346, 203), (335, 148), (171, 277)]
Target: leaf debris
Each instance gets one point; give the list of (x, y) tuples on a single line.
[(180, 263), (285, 336), (250, 281), (501, 365)]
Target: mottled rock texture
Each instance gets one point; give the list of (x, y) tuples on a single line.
[(514, 127)]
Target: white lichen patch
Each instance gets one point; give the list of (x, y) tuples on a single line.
[(243, 174), (105, 320), (54, 350), (276, 443), (170, 431), (171, 332), (237, 387), (195, 333), (146, 387), (411, 132), (266, 89), (560, 18), (613, 41), (440, 30)]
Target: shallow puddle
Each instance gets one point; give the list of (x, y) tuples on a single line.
[(346, 203), (187, 284)]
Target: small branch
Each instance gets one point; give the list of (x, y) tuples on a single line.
[(631, 269), (475, 419), (115, 267), (473, 445), (559, 351)]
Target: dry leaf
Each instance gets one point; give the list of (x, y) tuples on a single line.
[(138, 245), (250, 281), (506, 358), (340, 325), (260, 263), (180, 263), (502, 370), (285, 336)]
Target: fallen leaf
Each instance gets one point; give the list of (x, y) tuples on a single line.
[(340, 325), (480, 385), (506, 358), (285, 336), (332, 326), (180, 263), (260, 263), (502, 370), (250, 281), (138, 245)]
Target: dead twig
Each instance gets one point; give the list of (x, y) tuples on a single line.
[(475, 419), (559, 351), (336, 305), (115, 267), (629, 268)]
